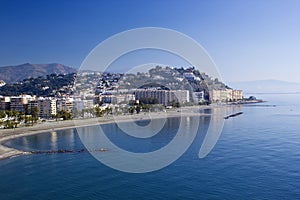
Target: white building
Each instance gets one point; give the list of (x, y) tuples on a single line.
[(65, 104), (237, 95), (225, 95), (121, 98), (165, 97), (47, 107), (198, 96), (79, 105)]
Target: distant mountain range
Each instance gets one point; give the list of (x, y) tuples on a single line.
[(266, 86), (11, 74)]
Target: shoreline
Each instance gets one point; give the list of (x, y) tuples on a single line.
[(8, 134)]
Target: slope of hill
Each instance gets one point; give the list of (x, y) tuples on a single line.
[(11, 74), (267, 86), (51, 85)]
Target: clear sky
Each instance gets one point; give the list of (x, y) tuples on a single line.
[(248, 40)]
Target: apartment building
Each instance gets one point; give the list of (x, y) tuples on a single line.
[(19, 103), (46, 107), (225, 95), (65, 104), (4, 103), (164, 97)]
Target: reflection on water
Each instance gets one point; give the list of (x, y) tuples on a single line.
[(139, 159), (124, 140), (214, 131), (145, 122), (71, 137), (25, 141), (134, 144), (53, 140), (205, 111), (256, 157)]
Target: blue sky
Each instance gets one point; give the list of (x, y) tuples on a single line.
[(248, 40)]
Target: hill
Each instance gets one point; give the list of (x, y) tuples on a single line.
[(267, 86), (51, 85), (12, 74)]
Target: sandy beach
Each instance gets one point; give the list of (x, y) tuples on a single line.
[(8, 134)]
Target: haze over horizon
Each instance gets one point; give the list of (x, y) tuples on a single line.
[(248, 40)]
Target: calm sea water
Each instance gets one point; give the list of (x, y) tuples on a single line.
[(256, 157)]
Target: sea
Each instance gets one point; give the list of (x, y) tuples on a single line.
[(256, 156)]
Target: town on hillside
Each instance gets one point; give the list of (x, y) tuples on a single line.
[(94, 94)]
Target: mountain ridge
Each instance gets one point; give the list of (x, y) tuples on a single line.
[(11, 74), (267, 86)]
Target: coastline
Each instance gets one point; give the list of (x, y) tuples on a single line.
[(8, 134)]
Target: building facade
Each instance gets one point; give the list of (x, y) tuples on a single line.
[(225, 95), (20, 103), (65, 104), (237, 95), (47, 107), (165, 97), (4, 103), (198, 96)]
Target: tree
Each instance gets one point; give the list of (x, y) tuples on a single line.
[(66, 115), (138, 109), (35, 114), (12, 118), (99, 112), (131, 110), (22, 116), (15, 122), (2, 114), (146, 107), (108, 110)]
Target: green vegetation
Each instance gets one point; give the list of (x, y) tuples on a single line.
[(64, 114), (51, 85), (33, 113), (12, 119), (101, 112)]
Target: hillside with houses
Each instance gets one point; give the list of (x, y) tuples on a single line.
[(90, 94)]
